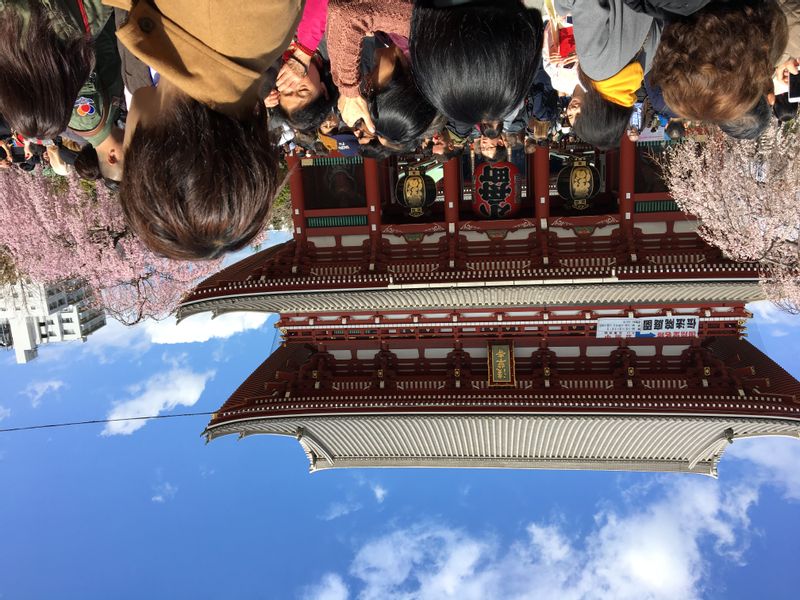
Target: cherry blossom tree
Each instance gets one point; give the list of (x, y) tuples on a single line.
[(8, 272), (747, 197), (59, 228)]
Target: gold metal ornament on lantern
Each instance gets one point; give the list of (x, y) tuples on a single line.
[(416, 192), (578, 183)]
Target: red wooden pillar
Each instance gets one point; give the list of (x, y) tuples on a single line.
[(298, 209), (298, 197), (452, 199), (627, 178), (627, 182), (372, 186), (539, 163), (612, 171)]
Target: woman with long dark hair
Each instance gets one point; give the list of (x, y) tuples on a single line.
[(370, 62), (475, 62), (46, 55)]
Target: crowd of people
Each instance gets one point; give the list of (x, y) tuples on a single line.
[(188, 106)]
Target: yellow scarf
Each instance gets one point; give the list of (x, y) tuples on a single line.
[(330, 143), (621, 88)]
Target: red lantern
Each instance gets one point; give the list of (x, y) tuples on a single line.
[(495, 192)]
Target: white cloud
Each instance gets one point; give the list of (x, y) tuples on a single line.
[(767, 313), (332, 587), (4, 412), (549, 541), (36, 390), (649, 552), (163, 492), (379, 491), (164, 391), (201, 328), (339, 509), (115, 337), (137, 339), (776, 461)]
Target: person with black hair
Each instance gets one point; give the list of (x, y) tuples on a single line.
[(750, 125), (615, 45), (675, 129), (368, 47), (17, 151), (374, 149), (491, 149), (330, 124), (444, 144), (593, 118), (499, 154), (87, 164), (491, 129), (305, 93), (475, 62), (400, 114), (784, 110), (455, 152), (307, 101), (540, 105)]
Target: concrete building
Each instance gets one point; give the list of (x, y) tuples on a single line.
[(32, 314)]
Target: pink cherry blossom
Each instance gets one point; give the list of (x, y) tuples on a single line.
[(747, 197), (60, 228)]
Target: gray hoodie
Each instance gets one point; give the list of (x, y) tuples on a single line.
[(609, 35)]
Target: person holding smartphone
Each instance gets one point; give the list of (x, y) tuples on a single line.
[(782, 75)]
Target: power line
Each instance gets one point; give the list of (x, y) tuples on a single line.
[(100, 421)]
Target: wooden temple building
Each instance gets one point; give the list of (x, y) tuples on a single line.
[(573, 335)]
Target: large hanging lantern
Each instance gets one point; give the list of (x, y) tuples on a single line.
[(416, 192), (495, 191), (578, 183)]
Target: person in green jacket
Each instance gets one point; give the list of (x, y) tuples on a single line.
[(46, 56), (97, 113)]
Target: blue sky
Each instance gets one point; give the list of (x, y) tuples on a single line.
[(153, 512)]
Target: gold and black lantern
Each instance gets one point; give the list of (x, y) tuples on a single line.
[(578, 183), (416, 192)]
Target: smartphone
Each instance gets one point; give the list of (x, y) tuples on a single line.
[(794, 88)]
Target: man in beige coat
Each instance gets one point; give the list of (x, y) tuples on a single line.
[(200, 171)]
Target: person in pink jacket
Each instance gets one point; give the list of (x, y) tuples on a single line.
[(305, 94)]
